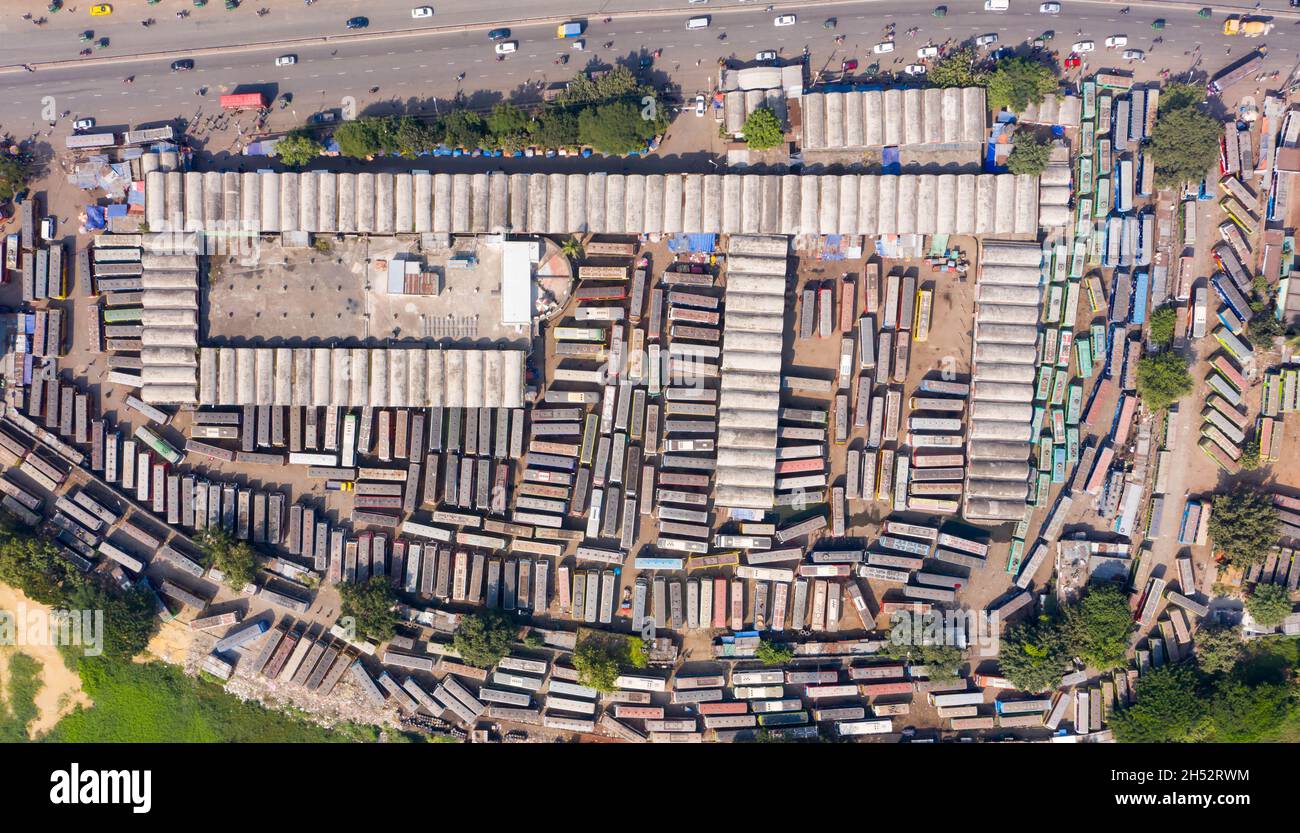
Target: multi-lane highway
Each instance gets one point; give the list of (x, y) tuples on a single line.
[(411, 63)]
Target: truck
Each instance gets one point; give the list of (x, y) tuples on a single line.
[(568, 30), (1247, 26), (1235, 72), (243, 101)]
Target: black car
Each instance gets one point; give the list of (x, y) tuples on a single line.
[(182, 65), (358, 22), (499, 34)]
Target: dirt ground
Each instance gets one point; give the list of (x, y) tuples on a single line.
[(60, 691)]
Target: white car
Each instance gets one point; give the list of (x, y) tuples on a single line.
[(506, 47), (47, 228), (579, 44), (883, 48), (697, 2), (83, 124), (1116, 40), (699, 106), (914, 69), (286, 60), (765, 55), (1083, 46), (1134, 55), (927, 52), (985, 40), (785, 20), (1050, 8), (421, 12)]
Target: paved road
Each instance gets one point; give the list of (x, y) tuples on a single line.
[(411, 70)]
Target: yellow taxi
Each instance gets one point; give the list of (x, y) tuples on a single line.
[(101, 10)]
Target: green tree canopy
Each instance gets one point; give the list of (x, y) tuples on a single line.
[(508, 126), (235, 559), (1033, 656), (129, 619), (1244, 525), (359, 139), (1098, 625), (484, 637), (1218, 648), (1016, 82), (1162, 322), (1169, 708), (1269, 604), (597, 660), (1179, 95), (956, 69), (32, 564), (770, 653), (298, 149), (555, 127), (370, 604), (1241, 713), (1030, 154), (1162, 380), (617, 84), (1184, 145), (617, 128), (463, 128), (15, 170), (762, 129), (410, 136)]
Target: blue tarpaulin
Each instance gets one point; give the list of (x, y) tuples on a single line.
[(889, 161), (693, 243), (117, 210), (95, 218)]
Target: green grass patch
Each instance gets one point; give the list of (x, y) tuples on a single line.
[(18, 697), (157, 703)]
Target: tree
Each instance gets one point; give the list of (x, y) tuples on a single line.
[(1178, 95), (235, 559), (571, 248), (1264, 326), (942, 662), (1218, 648), (1161, 333), (298, 149), (617, 128), (32, 564), (1250, 460), (1029, 156), (619, 83), (1184, 145), (508, 126), (483, 638), (371, 607), (1241, 713), (1033, 655), (463, 128), (762, 129), (597, 660), (1269, 604), (15, 171), (1097, 627), (956, 69), (129, 619), (555, 127), (770, 653), (410, 136), (1169, 709), (1017, 82), (358, 139), (1243, 525), (1162, 380)]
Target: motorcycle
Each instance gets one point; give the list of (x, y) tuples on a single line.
[(182, 14), (147, 23), (129, 79), (460, 77), (87, 37), (263, 12), (85, 52), (607, 45)]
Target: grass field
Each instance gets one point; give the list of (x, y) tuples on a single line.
[(22, 680)]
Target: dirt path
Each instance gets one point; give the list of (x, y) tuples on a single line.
[(60, 691)]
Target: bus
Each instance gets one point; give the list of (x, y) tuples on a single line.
[(158, 445), (1238, 214), (921, 323), (122, 315)]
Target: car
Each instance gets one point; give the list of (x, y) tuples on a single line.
[(940, 11), (183, 65), (101, 10), (849, 64), (883, 48), (1083, 46), (1072, 61), (421, 12), (699, 106), (765, 55), (985, 40), (579, 44), (1050, 8), (83, 124), (927, 52), (698, 22), (697, 2), (914, 69), (323, 117), (286, 60), (1116, 41), (784, 20), (358, 22), (498, 34), (1134, 55), (47, 228), (506, 47)]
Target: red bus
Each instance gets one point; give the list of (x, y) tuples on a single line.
[(243, 101)]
